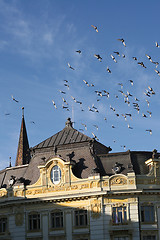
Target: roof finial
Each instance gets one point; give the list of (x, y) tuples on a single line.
[(68, 122), (22, 112), (10, 165)]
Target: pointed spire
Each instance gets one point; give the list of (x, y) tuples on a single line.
[(23, 153)]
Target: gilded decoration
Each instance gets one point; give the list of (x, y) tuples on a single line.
[(3, 193), (93, 184), (96, 208), (105, 183), (131, 182), (118, 180), (119, 201)]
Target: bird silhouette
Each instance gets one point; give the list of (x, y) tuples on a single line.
[(64, 101), (147, 102), (134, 58), (157, 45), (157, 72), (65, 107), (108, 70), (150, 113), (113, 58), (121, 84), (85, 126), (95, 137), (98, 57), (54, 104), (131, 81), (122, 40), (62, 92), (95, 28), (149, 130), (117, 53), (86, 83), (144, 115), (96, 127), (91, 110), (130, 127), (149, 57), (141, 64), (14, 99), (66, 85), (70, 67)]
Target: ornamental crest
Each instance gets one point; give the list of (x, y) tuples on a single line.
[(118, 180), (95, 208)]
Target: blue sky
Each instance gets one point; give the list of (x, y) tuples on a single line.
[(37, 41)]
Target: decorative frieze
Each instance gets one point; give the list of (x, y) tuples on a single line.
[(118, 181)]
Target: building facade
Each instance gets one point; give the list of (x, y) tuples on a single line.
[(71, 187)]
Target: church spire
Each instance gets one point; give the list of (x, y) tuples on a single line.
[(23, 153)]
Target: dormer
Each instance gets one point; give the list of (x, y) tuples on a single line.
[(154, 164)]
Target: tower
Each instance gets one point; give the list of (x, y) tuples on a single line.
[(23, 152)]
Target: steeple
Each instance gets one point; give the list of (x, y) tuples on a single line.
[(23, 153)]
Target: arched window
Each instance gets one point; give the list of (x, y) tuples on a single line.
[(56, 174), (3, 224)]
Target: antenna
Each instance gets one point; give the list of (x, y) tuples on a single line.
[(73, 115), (10, 165)]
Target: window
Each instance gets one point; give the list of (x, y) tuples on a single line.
[(121, 238), (119, 215), (34, 221), (149, 237), (3, 225), (56, 174), (147, 214), (57, 219), (81, 218)]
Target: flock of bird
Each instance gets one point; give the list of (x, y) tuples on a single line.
[(127, 97)]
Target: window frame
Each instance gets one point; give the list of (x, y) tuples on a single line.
[(3, 224), (119, 214), (145, 209), (34, 218), (121, 238), (56, 172), (81, 218), (54, 216), (146, 236)]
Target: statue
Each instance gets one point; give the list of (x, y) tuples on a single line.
[(12, 181)]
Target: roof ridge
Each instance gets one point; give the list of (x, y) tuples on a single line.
[(62, 139)]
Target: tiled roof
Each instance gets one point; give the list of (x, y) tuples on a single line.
[(66, 136), (130, 161), (17, 172)]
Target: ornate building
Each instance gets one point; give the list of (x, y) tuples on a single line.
[(70, 187)]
